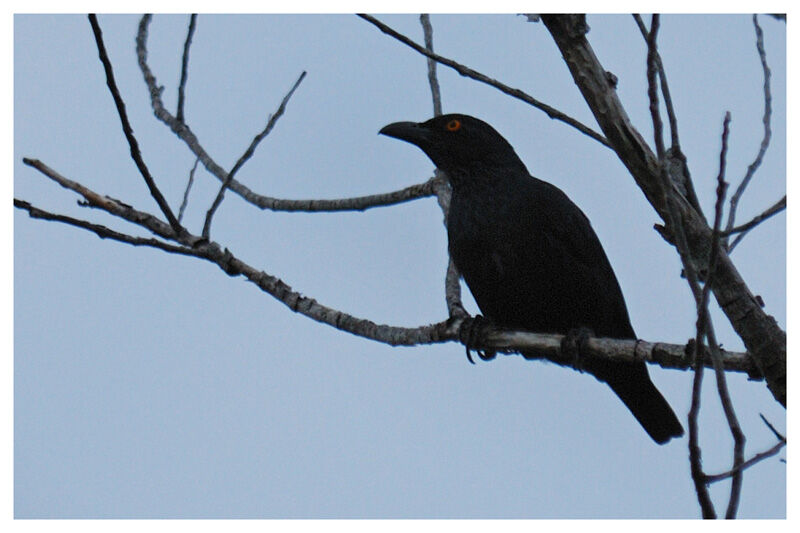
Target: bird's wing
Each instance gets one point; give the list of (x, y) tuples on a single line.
[(576, 269)]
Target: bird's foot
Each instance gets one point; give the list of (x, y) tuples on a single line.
[(573, 345), (471, 333)]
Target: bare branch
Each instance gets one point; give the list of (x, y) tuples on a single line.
[(452, 291), (704, 326), (744, 229), (757, 458), (358, 203), (126, 128), (722, 188), (767, 120), (652, 90), (185, 133), (779, 206), (733, 424), (670, 356), (427, 29), (695, 452), (110, 205), (273, 119), (674, 156), (452, 285), (185, 67), (475, 75), (722, 385), (186, 192), (775, 432), (102, 231), (673, 120)]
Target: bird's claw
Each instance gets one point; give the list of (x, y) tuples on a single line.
[(471, 333)]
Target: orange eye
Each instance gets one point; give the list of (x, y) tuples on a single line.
[(453, 125)]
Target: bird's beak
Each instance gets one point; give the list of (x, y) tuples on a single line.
[(407, 131)]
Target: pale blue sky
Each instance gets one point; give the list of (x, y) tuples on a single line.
[(151, 385)]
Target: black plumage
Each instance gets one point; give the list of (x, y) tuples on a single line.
[(529, 255)]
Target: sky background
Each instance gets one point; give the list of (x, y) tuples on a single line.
[(151, 385)]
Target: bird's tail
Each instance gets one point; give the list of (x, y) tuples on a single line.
[(633, 386)]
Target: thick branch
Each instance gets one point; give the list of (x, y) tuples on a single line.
[(759, 331), (674, 356)]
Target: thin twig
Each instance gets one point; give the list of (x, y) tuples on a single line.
[(427, 29), (475, 75), (776, 208), (675, 225), (695, 452), (767, 120), (452, 291), (126, 128), (185, 67), (111, 205), (273, 119), (744, 229), (680, 173), (188, 188), (452, 284), (671, 115), (722, 385), (104, 232), (722, 188), (757, 458), (652, 89), (775, 432)]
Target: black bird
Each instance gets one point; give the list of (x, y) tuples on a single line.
[(529, 255)]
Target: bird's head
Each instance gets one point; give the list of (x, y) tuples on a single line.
[(456, 143)]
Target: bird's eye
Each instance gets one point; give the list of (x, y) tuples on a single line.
[(453, 125)]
